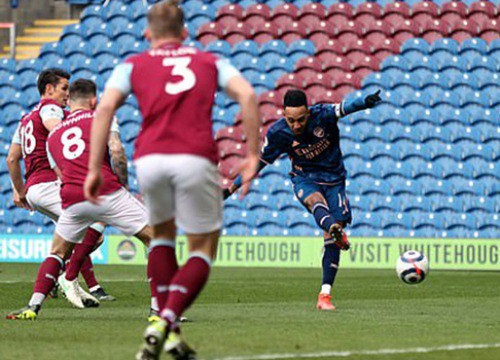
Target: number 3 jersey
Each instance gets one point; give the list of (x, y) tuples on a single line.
[(175, 87), (31, 134), (68, 147)]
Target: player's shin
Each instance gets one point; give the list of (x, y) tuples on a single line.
[(330, 264), (321, 213), (186, 286), (80, 257), (46, 278), (162, 266)]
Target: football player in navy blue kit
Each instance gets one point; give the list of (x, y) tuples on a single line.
[(309, 135)]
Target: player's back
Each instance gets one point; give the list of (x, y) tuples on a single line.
[(33, 138), (69, 148), (175, 87)]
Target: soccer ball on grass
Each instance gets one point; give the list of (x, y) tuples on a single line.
[(412, 267)]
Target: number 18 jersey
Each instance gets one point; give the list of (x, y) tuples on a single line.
[(175, 86), (68, 148)]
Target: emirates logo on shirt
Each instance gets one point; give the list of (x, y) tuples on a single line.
[(319, 132)]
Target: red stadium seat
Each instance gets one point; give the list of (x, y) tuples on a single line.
[(318, 79), (406, 30), (309, 62), (306, 72), (268, 28), (399, 8), (229, 147), (481, 10), (464, 29), (226, 21), (289, 80), (329, 47), (271, 97), (287, 10), (229, 166), (282, 21), (424, 12), (386, 48), (258, 10), (364, 61), (451, 17), (435, 29), (361, 46), (311, 21), (294, 28), (319, 37), (367, 11), (209, 32), (256, 22), (319, 27), (232, 10), (316, 9), (231, 132), (489, 29), (346, 79), (337, 62), (291, 38), (377, 31), (263, 38), (235, 38), (342, 91), (340, 10), (454, 7), (321, 96), (348, 31)]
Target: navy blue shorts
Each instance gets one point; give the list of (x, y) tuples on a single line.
[(335, 196)]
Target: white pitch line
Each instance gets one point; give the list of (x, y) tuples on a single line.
[(102, 280), (362, 352)]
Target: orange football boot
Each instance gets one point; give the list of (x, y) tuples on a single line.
[(324, 302)]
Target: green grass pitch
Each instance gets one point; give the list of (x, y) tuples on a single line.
[(250, 313)]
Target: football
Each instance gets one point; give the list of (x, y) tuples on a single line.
[(412, 267)]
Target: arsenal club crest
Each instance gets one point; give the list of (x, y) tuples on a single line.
[(319, 132)]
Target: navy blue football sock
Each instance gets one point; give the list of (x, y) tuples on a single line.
[(322, 216), (330, 263)]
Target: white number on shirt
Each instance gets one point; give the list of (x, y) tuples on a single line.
[(28, 140), (73, 145), (181, 68)]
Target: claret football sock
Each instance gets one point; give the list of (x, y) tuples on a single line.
[(330, 263), (80, 259), (162, 266), (46, 278), (322, 216), (187, 285)]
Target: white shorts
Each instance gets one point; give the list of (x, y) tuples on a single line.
[(46, 199), (119, 209), (184, 187)]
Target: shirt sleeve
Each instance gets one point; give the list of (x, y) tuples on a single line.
[(225, 71), (271, 150), (120, 78), (16, 138), (114, 125), (51, 111), (50, 157)]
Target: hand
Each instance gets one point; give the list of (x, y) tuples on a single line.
[(21, 201), (247, 170), (92, 186), (373, 99)]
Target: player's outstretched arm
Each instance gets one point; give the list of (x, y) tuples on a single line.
[(110, 102), (238, 182), (240, 90), (14, 165), (359, 104)]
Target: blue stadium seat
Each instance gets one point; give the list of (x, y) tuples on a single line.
[(474, 44), (244, 61), (395, 62), (418, 45), (485, 77), (303, 47), (8, 64), (247, 46), (274, 61), (220, 47), (193, 43), (484, 62), (92, 11), (274, 46)]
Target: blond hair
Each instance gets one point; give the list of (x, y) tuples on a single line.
[(166, 19)]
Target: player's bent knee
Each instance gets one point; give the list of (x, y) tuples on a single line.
[(313, 199)]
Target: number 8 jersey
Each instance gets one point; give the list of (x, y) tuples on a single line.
[(68, 148), (31, 134)]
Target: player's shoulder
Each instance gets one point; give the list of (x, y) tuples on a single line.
[(278, 129)]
